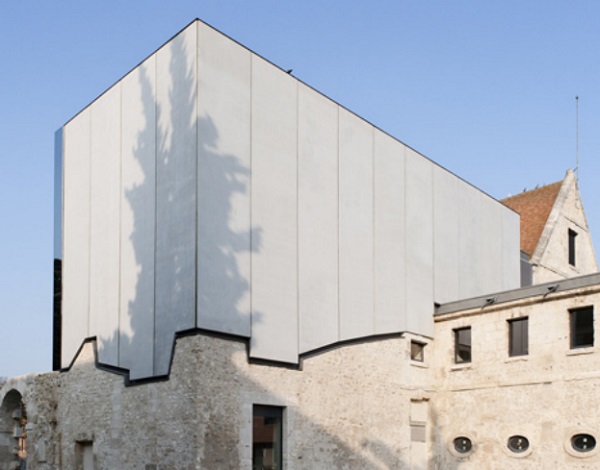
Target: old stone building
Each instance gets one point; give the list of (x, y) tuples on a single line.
[(555, 237), (253, 277), (517, 374)]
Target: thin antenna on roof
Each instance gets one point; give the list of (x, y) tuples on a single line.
[(577, 137)]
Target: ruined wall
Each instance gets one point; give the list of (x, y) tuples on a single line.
[(39, 395), (350, 407), (547, 396)]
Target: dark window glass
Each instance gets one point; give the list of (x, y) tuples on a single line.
[(582, 327), (57, 316), (463, 445), (462, 345), (583, 442), (572, 256), (417, 351), (518, 443), (267, 437), (518, 337)]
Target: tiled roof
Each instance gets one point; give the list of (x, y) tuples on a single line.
[(534, 207)]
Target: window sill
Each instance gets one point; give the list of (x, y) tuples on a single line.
[(419, 364), (523, 358), (461, 366), (581, 351)]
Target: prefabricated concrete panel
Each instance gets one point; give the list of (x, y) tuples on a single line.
[(469, 236), (274, 214), (491, 245), (445, 235), (389, 230), (356, 226), (224, 232), (511, 244), (176, 178), (138, 208), (317, 219), (76, 236), (104, 223), (419, 243)]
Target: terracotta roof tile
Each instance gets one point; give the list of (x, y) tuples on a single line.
[(534, 207)]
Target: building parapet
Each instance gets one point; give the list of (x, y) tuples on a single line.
[(543, 290)]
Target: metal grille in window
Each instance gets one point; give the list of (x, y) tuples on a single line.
[(583, 442), (518, 443)]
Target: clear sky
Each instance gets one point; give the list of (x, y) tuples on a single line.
[(486, 89)]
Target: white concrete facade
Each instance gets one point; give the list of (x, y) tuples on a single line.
[(208, 189)]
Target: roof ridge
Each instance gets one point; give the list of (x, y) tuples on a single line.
[(527, 191)]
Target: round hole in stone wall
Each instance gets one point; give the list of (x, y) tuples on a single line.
[(518, 444), (583, 442), (463, 445)]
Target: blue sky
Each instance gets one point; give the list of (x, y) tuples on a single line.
[(486, 89)]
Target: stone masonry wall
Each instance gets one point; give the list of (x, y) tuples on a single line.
[(547, 396), (359, 406), (348, 408), (551, 259), (39, 394)]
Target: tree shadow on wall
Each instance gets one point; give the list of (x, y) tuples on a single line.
[(165, 282), (178, 196), (441, 458)]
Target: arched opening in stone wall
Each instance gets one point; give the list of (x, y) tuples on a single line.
[(13, 432)]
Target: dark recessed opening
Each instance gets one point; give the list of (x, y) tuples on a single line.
[(582, 327), (463, 445), (518, 443), (417, 351), (583, 442), (462, 345)]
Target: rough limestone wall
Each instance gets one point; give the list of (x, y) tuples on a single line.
[(347, 409), (547, 396), (553, 262), (39, 394), (41, 401), (130, 427)]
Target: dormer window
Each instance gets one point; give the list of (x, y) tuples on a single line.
[(572, 236)]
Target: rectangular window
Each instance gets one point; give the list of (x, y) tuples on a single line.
[(267, 437), (518, 337), (572, 254), (582, 327), (417, 351), (462, 345)]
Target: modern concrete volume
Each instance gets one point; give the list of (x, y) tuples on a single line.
[(256, 278), (209, 189)]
